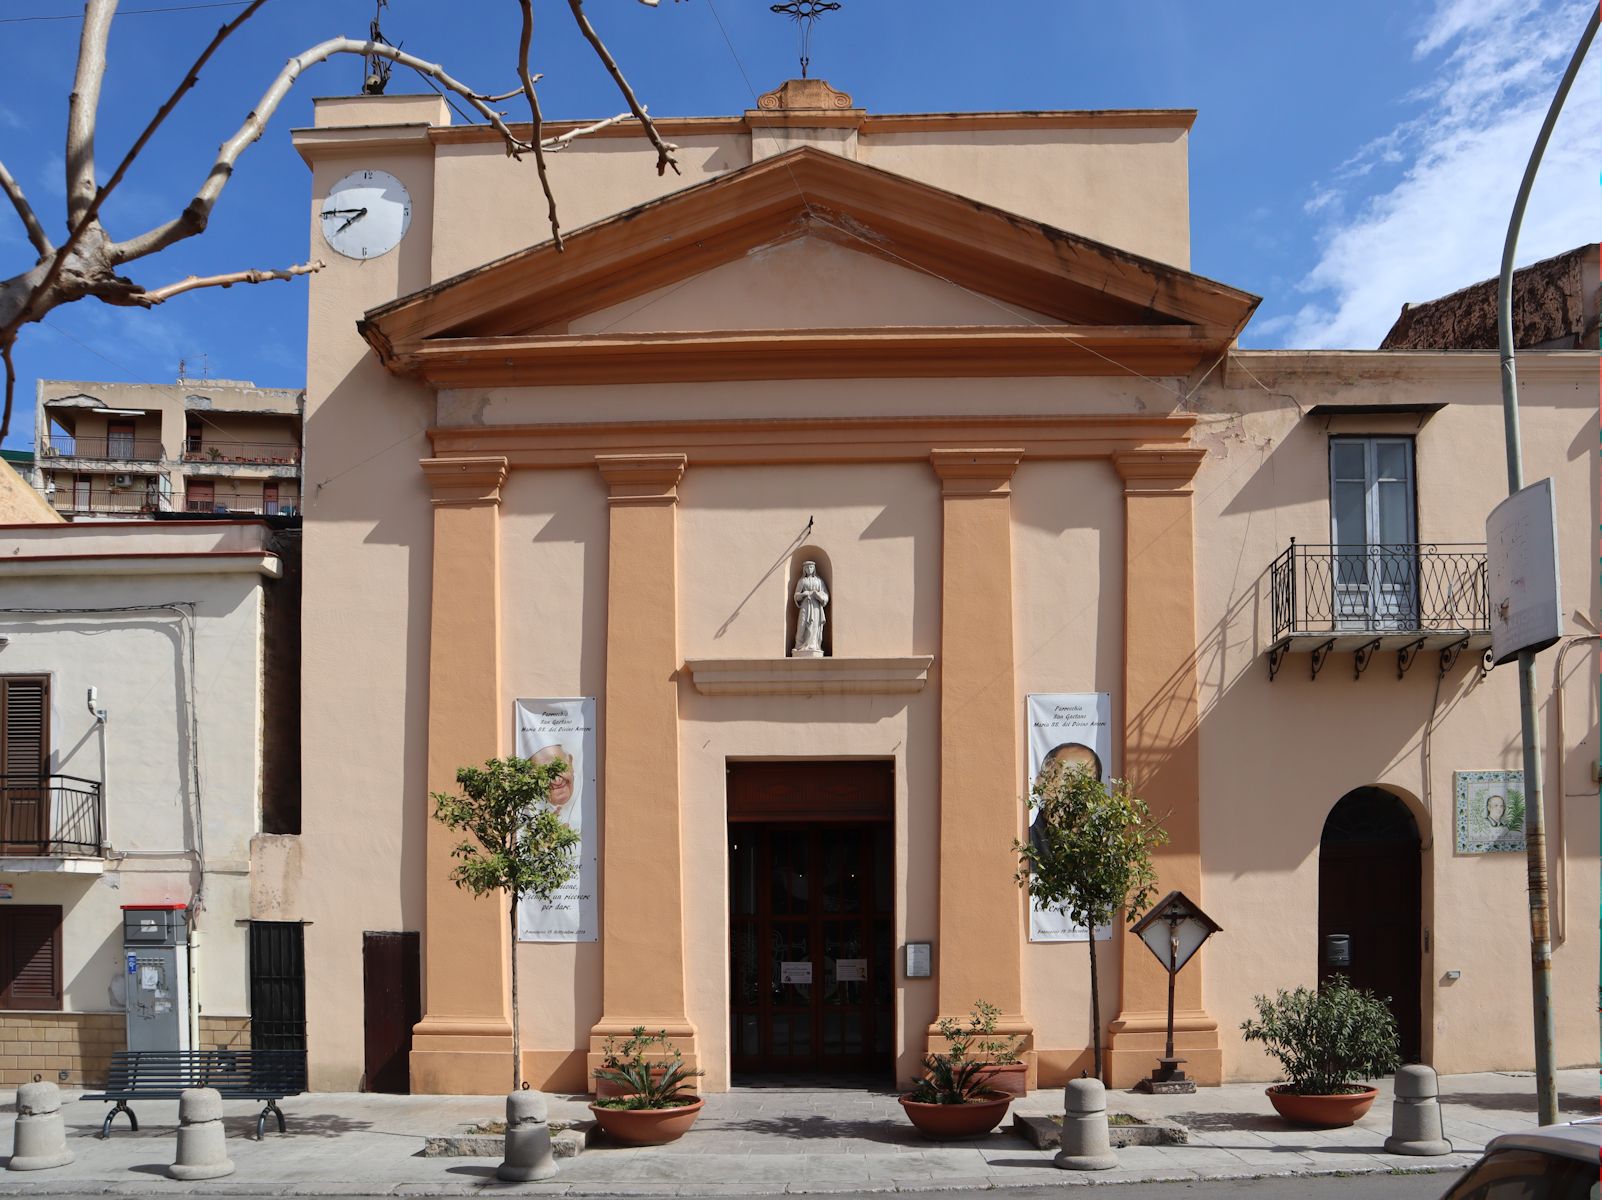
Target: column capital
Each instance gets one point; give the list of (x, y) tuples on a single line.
[(465, 482), (642, 478), (1170, 469), (975, 472)]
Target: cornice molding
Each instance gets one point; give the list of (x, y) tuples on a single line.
[(642, 479), (809, 676), (975, 473), (967, 351), (465, 481), (796, 440)]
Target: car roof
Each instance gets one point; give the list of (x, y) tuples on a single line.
[(1581, 1141)]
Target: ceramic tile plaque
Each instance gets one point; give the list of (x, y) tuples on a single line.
[(1490, 811)]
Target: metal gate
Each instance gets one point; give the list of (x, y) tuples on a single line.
[(277, 986)]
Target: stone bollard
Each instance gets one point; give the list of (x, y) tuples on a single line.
[(1085, 1146), (202, 1147), (528, 1140), (1416, 1114), (41, 1134)]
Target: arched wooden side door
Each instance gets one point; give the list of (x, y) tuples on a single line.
[(1369, 865)]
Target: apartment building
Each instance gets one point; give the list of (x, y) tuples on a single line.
[(122, 450)]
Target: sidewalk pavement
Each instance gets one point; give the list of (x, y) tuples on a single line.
[(762, 1141)]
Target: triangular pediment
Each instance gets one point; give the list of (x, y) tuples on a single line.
[(955, 264)]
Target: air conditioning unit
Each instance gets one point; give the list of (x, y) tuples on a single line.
[(122, 481)]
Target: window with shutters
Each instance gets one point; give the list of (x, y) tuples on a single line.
[(30, 957), (24, 763)]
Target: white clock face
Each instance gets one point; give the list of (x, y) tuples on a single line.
[(366, 214)]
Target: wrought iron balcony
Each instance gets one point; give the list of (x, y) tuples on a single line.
[(1366, 598), (226, 453), (50, 816)]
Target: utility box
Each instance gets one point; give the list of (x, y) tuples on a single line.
[(155, 943)]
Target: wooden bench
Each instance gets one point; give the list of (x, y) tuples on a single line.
[(267, 1075)]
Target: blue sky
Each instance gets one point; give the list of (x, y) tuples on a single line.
[(1347, 157)]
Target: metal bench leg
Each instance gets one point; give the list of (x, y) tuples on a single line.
[(261, 1120), (121, 1106)]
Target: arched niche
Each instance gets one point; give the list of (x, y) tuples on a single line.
[(820, 556)]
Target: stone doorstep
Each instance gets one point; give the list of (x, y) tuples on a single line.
[(568, 1140), (1045, 1133)]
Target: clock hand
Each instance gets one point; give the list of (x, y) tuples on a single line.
[(340, 212), (349, 221)]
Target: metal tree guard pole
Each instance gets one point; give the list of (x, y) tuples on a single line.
[(1534, 814)]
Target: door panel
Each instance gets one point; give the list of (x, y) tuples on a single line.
[(806, 902), (392, 998)]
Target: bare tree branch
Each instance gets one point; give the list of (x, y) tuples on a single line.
[(194, 218), (664, 154), (83, 107), (562, 140), (36, 233), (517, 91), (525, 43), (151, 297)]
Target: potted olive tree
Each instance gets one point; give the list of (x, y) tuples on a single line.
[(1089, 856), (1325, 1042), (519, 845)]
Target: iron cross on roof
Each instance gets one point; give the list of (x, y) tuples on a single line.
[(804, 13)]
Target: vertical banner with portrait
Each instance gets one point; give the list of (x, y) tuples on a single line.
[(548, 730), (1068, 728)]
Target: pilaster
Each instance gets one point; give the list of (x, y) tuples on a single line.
[(463, 1045), (980, 952), (642, 884), (1160, 756)]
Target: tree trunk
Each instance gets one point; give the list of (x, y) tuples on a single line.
[(517, 1031), (1095, 1004)]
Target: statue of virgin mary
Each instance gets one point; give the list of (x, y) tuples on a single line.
[(810, 597)]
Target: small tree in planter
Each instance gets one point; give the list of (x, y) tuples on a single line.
[(1088, 856), (1325, 1042), (520, 845)]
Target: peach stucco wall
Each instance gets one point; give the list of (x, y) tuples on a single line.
[(548, 538), (1277, 756)]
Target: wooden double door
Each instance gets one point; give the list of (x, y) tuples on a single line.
[(811, 974)]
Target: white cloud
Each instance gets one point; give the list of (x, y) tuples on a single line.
[(1441, 224), (10, 119)]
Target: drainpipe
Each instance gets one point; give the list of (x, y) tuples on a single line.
[(1534, 815), (99, 714)]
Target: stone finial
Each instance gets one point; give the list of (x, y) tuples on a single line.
[(529, 1154), (805, 95), (202, 1146), (1416, 1114), (40, 1139), (1086, 1144)]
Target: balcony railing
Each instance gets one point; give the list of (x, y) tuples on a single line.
[(68, 500), (1380, 589), (236, 502), (271, 453), (115, 448), (50, 815), (1405, 598)]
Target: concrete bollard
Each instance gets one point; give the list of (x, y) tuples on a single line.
[(41, 1131), (1416, 1114), (528, 1140), (202, 1146), (1085, 1145)]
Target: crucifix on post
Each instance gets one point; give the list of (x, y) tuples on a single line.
[(1173, 931), (804, 13)]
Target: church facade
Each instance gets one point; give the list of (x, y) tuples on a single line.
[(804, 504)]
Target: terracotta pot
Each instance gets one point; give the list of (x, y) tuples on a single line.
[(1321, 1112), (647, 1126), (1011, 1078), (944, 1122)]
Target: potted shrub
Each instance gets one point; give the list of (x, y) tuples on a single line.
[(1000, 1067), (615, 1056), (952, 1099), (656, 1104), (1325, 1041)]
